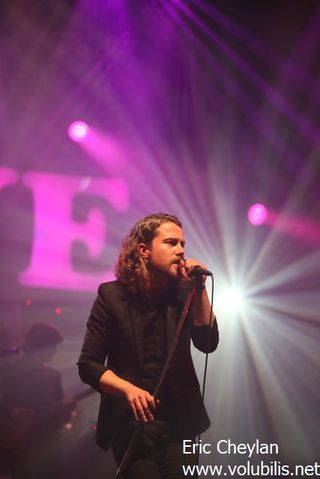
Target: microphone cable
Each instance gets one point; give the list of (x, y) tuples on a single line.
[(206, 363)]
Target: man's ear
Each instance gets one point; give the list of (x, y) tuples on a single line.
[(144, 250)]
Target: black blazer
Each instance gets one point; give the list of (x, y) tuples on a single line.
[(115, 331)]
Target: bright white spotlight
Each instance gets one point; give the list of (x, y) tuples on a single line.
[(230, 300)]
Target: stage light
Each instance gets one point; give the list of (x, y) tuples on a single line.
[(230, 300), (257, 214), (58, 311), (28, 302), (78, 130)]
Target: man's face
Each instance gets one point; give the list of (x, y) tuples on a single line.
[(167, 250)]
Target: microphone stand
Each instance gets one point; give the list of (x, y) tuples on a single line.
[(136, 435)]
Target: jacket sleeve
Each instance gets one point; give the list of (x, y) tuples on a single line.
[(205, 338), (97, 341)]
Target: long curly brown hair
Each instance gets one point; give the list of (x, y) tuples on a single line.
[(131, 268)]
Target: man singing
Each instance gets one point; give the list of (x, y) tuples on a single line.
[(133, 323)]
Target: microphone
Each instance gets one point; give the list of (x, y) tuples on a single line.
[(200, 271)]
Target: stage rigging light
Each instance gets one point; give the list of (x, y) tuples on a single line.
[(257, 214), (78, 130)]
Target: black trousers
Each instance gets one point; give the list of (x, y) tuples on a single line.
[(157, 455)]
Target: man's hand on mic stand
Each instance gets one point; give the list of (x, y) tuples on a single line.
[(202, 306)]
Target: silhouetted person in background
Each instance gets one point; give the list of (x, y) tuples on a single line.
[(8, 354), (33, 409)]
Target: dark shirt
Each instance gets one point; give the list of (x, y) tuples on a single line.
[(155, 354)]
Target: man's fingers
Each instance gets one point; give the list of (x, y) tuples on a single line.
[(140, 413), (152, 402), (134, 410), (182, 269), (140, 403), (147, 411)]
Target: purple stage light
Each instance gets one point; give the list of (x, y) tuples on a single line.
[(78, 130), (257, 214)]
